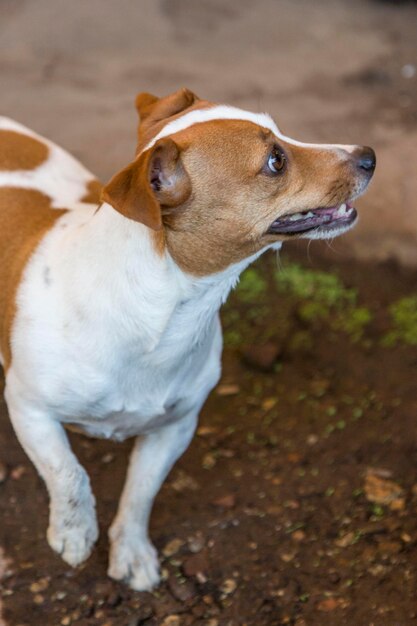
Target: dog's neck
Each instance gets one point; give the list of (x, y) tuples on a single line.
[(142, 289)]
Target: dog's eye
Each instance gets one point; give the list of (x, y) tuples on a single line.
[(276, 160)]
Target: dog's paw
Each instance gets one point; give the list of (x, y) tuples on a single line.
[(73, 536), (134, 561)]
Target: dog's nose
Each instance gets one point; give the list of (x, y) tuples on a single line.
[(365, 159)]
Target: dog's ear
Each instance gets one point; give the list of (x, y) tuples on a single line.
[(159, 109), (144, 104), (154, 183)]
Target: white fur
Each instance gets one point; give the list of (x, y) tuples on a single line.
[(120, 343), (116, 339), (224, 112), (61, 177)]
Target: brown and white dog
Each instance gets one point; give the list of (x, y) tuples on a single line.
[(109, 316)]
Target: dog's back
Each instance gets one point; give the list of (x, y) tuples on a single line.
[(38, 180)]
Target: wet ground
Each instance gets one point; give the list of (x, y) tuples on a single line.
[(296, 502)]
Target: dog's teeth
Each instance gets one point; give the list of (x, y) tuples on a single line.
[(310, 214), (342, 209)]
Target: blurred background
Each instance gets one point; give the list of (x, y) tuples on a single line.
[(296, 502), (329, 70)]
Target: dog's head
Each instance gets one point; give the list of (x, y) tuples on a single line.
[(220, 184)]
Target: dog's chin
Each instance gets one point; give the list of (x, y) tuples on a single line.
[(322, 223)]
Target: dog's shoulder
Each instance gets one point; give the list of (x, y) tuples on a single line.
[(38, 181)]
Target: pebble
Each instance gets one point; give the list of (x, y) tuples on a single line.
[(183, 481), (39, 585), (228, 587), (228, 390), (261, 357), (5, 565), (171, 620), (328, 605), (383, 491), (60, 595), (196, 544), (346, 540), (172, 547), (209, 461), (269, 404), (226, 502), (181, 589), (298, 535), (18, 472), (38, 599), (204, 431)]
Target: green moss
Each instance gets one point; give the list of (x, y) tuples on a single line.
[(324, 297), (354, 320), (404, 320), (322, 287), (311, 311), (232, 338), (251, 287)]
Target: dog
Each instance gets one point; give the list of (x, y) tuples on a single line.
[(109, 298)]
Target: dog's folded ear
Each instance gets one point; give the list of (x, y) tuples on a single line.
[(159, 109), (153, 184)]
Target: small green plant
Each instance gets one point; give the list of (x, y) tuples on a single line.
[(232, 338), (324, 297), (320, 287), (251, 287), (404, 320)]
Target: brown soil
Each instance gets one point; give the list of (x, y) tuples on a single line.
[(295, 503)]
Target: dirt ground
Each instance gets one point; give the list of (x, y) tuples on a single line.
[(296, 502)]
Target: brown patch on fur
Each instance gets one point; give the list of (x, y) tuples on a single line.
[(21, 152), (25, 217), (94, 188), (155, 113)]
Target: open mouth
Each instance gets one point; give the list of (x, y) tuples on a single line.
[(322, 220)]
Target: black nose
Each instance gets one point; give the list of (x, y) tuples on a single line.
[(365, 159)]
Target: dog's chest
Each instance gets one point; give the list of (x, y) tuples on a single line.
[(137, 396), (106, 347), (106, 384)]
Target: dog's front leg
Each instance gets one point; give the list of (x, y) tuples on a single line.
[(132, 556), (73, 526)]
